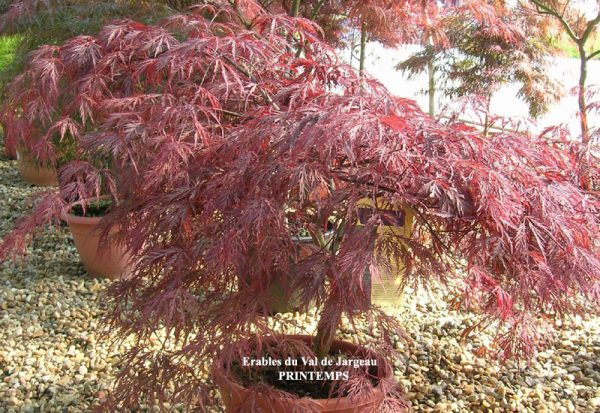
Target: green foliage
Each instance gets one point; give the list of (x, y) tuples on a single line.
[(93, 209), (8, 47), (569, 49)]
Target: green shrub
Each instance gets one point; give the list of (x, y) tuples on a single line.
[(8, 47)]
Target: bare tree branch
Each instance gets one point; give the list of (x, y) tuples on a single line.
[(593, 54), (541, 8)]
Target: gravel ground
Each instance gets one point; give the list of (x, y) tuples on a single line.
[(51, 360)]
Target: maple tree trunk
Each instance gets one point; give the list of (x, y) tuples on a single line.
[(294, 11), (431, 74), (363, 47), (327, 327), (331, 315), (295, 8), (317, 9), (585, 132), (486, 122)]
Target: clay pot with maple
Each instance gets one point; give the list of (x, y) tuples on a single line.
[(35, 172), (37, 112), (46, 117), (100, 256)]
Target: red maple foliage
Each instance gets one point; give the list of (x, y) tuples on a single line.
[(228, 143), (55, 100)]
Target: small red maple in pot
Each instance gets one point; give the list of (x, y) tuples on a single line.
[(55, 100), (49, 107), (205, 91)]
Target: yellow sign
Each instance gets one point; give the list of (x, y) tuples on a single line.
[(397, 221)]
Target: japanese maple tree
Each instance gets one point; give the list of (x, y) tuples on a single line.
[(229, 143), (35, 23)]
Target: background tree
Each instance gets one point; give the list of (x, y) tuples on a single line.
[(386, 21), (42, 22), (330, 15), (27, 24), (430, 34), (579, 21), (477, 47)]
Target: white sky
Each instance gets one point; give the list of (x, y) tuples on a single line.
[(381, 61), (589, 7)]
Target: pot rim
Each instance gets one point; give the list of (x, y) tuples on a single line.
[(304, 239), (337, 401), (69, 218), (22, 155)]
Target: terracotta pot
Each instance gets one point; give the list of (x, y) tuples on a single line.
[(236, 398), (278, 298), (33, 173), (110, 262), (9, 150)]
